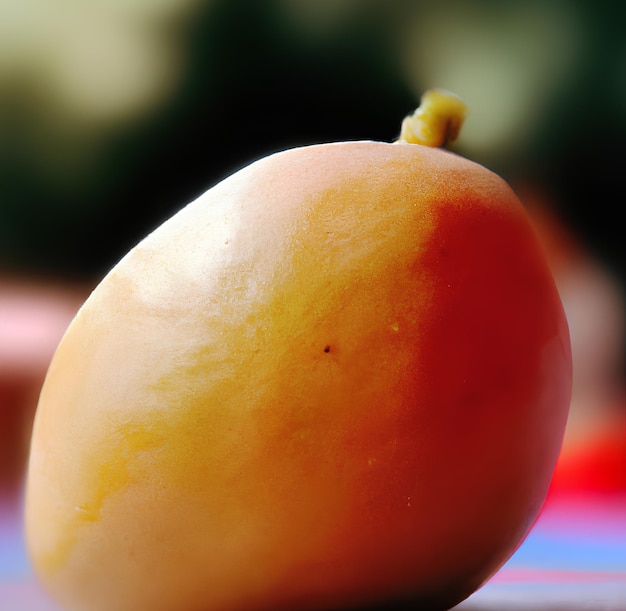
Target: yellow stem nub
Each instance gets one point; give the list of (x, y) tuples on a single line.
[(436, 122)]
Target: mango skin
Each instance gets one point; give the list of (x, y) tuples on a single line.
[(339, 378)]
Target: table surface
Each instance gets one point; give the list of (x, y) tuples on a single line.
[(573, 560)]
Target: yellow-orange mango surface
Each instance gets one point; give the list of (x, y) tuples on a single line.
[(337, 379)]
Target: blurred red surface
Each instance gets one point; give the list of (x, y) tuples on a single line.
[(33, 317)]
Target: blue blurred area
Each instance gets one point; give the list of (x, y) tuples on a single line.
[(570, 553)]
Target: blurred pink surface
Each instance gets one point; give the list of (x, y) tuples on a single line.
[(33, 317)]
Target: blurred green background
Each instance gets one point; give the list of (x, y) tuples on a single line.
[(116, 113)]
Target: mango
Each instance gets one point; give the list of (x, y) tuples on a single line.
[(338, 379)]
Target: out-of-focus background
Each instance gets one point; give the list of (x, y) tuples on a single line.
[(116, 113)]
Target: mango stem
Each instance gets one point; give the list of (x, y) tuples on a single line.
[(436, 122)]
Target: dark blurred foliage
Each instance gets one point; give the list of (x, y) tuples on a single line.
[(253, 85), (578, 155), (251, 89)]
